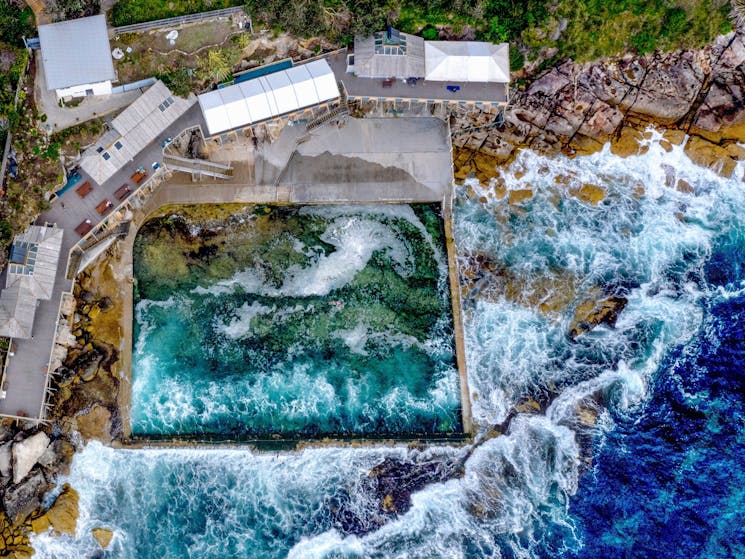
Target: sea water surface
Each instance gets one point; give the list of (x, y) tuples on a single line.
[(661, 473), (304, 321)]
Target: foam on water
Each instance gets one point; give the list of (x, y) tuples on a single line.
[(518, 493), (323, 346)]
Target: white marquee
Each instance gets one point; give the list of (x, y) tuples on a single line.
[(268, 96)]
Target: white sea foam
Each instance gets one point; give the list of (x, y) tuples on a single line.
[(516, 488), (240, 325)]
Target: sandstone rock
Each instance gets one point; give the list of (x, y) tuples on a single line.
[(26, 453), (63, 515), (94, 312), (704, 153), (591, 313), (590, 193), (520, 195), (95, 424), (40, 524), (5, 459), (627, 143), (103, 536)]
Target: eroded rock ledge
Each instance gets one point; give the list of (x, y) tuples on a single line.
[(577, 108)]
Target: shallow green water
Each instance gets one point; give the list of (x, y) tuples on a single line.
[(294, 322)]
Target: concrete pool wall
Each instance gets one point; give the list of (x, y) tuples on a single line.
[(385, 164)]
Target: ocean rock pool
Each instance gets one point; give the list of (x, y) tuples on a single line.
[(255, 322)]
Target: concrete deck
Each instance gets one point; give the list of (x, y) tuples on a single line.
[(470, 92)]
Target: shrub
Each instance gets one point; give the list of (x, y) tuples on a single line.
[(429, 33), (517, 59)]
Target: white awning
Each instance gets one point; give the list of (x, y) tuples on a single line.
[(466, 61), (268, 96)]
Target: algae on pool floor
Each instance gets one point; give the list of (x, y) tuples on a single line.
[(294, 322)]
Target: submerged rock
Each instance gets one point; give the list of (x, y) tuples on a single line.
[(590, 314)]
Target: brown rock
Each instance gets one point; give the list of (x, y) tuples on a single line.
[(590, 193), (63, 515), (706, 154), (40, 524), (95, 424), (103, 536), (519, 195), (684, 186), (591, 313), (627, 142)]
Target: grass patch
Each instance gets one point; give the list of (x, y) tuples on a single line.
[(127, 12)]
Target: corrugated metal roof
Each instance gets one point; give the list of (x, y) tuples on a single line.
[(131, 131), (268, 96), (30, 277), (76, 52), (467, 61), (371, 64)]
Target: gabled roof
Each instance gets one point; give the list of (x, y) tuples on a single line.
[(17, 310), (34, 259), (76, 52), (138, 125), (379, 56), (466, 61)]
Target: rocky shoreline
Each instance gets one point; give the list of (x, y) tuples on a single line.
[(575, 109), (571, 109)]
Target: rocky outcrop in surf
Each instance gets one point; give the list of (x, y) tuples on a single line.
[(577, 108)]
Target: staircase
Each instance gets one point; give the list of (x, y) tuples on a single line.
[(198, 167), (341, 110)]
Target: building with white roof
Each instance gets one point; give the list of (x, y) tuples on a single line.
[(130, 132), (32, 270), (76, 56), (268, 96), (466, 61)]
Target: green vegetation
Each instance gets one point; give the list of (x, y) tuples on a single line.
[(595, 28), (127, 12), (15, 22)]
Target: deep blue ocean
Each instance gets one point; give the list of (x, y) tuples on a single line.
[(670, 480), (630, 439)]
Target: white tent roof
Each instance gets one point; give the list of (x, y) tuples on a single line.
[(268, 96), (466, 61)]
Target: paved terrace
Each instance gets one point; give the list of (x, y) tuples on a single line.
[(26, 372), (372, 88)]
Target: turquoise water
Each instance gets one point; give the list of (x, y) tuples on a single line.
[(658, 474), (299, 322)]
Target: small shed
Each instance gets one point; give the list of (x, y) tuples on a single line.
[(76, 56)]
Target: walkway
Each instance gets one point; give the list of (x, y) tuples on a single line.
[(26, 373)]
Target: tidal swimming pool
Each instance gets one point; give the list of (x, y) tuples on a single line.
[(293, 322)]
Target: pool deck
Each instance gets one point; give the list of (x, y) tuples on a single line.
[(372, 160)]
